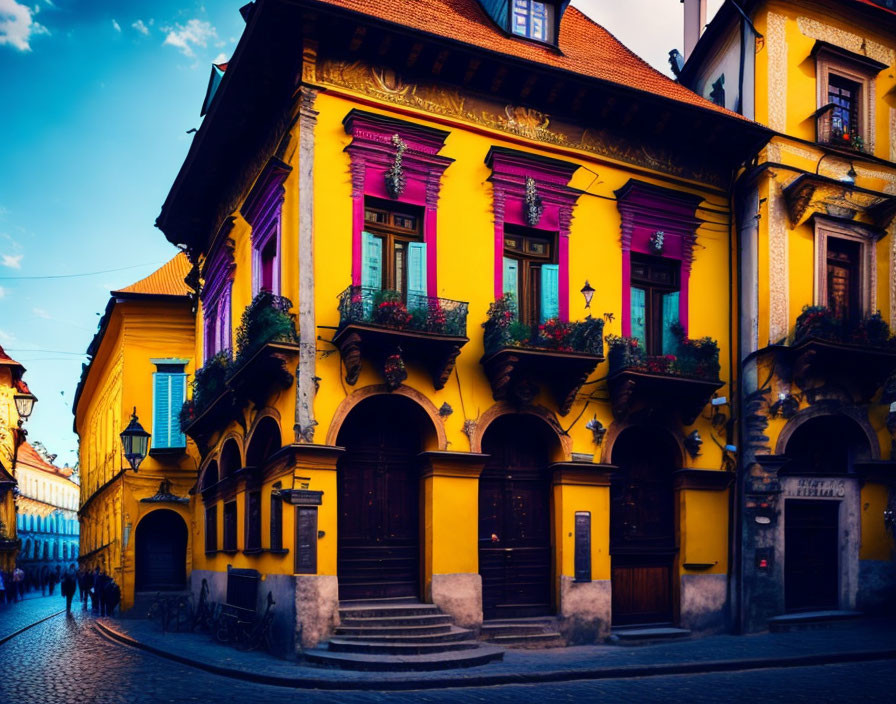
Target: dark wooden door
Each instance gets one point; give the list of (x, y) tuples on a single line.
[(642, 533), (514, 521), (378, 550), (161, 547), (811, 564)]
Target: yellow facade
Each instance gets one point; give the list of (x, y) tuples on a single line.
[(139, 329), (10, 372)]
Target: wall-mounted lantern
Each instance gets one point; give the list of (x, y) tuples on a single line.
[(588, 293), (134, 442)]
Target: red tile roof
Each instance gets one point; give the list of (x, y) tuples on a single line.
[(6, 360), (168, 280), (587, 48), (30, 457)]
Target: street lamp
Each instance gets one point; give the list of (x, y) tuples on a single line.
[(24, 401), (135, 442), (588, 293)]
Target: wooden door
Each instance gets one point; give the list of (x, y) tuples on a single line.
[(514, 520), (378, 503), (811, 548), (161, 552), (642, 533)]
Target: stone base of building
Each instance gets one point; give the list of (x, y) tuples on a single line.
[(316, 600), (585, 610), (460, 596), (704, 603), (877, 587)]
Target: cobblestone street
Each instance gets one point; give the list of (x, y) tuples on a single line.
[(86, 668)]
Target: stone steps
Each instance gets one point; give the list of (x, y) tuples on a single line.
[(399, 634), (813, 620), (647, 635), (522, 633)]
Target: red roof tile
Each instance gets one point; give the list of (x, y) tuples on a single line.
[(6, 360), (587, 48), (168, 280), (30, 457)]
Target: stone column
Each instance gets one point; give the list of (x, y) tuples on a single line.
[(450, 486), (583, 600)]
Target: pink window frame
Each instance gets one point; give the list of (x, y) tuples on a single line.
[(645, 210), (216, 299), (372, 153), (510, 169)]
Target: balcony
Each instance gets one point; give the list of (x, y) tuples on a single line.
[(380, 326), (830, 133), (518, 357), (826, 351), (267, 342), (685, 381)]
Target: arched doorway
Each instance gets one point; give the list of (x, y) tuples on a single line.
[(265, 441), (820, 450), (515, 518), (161, 547), (379, 496), (642, 529)]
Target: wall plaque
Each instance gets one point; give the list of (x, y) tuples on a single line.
[(302, 497), (583, 546), (306, 540), (817, 488)]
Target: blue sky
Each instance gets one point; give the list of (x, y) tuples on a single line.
[(97, 99)]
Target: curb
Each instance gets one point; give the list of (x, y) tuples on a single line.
[(32, 625), (624, 672)]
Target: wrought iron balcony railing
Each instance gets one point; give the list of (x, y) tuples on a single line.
[(389, 309), (694, 359), (829, 130)]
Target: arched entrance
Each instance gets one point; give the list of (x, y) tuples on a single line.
[(820, 450), (161, 547), (379, 496), (515, 518), (642, 529)]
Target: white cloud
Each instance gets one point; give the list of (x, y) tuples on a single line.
[(2, 292), (186, 37), (141, 27), (6, 337), (13, 261), (41, 313), (115, 25), (17, 25), (220, 58)]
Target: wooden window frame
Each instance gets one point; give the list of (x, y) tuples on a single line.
[(276, 521), (550, 22), (390, 234), (826, 229), (529, 283), (211, 528), (252, 538), (831, 61), (653, 298), (229, 538)]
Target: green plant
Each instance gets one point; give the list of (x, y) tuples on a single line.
[(501, 317), (209, 380), (266, 319), (389, 310)]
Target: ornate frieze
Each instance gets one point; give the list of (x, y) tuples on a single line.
[(438, 99), (777, 264), (776, 44)]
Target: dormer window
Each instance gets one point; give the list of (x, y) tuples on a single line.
[(532, 19)]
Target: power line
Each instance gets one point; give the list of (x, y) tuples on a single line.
[(72, 276)]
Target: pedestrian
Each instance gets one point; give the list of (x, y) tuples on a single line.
[(111, 597), (94, 590), (84, 582), (101, 584), (18, 580), (69, 587)]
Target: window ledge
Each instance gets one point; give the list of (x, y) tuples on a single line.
[(279, 551), (229, 551), (210, 553), (253, 551), (167, 451)]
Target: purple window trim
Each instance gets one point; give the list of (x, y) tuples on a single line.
[(262, 209), (216, 298), (510, 168), (645, 209), (371, 152)]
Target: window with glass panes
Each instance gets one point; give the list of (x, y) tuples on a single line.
[(393, 253), (843, 94), (532, 19), (843, 284), (654, 302), (531, 276)]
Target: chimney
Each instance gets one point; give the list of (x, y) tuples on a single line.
[(694, 22)]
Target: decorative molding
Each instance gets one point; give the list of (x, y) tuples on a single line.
[(855, 43), (776, 45), (778, 276), (386, 85)]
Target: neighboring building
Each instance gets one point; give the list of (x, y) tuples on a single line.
[(47, 520), (10, 435), (817, 299), (133, 523), (403, 179)]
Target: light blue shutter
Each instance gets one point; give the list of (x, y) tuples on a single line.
[(417, 276), (178, 396), (670, 318), (638, 315), (372, 262), (512, 278), (161, 406), (550, 291)]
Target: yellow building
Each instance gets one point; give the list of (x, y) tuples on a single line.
[(135, 524), (817, 252), (403, 393), (11, 435)]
